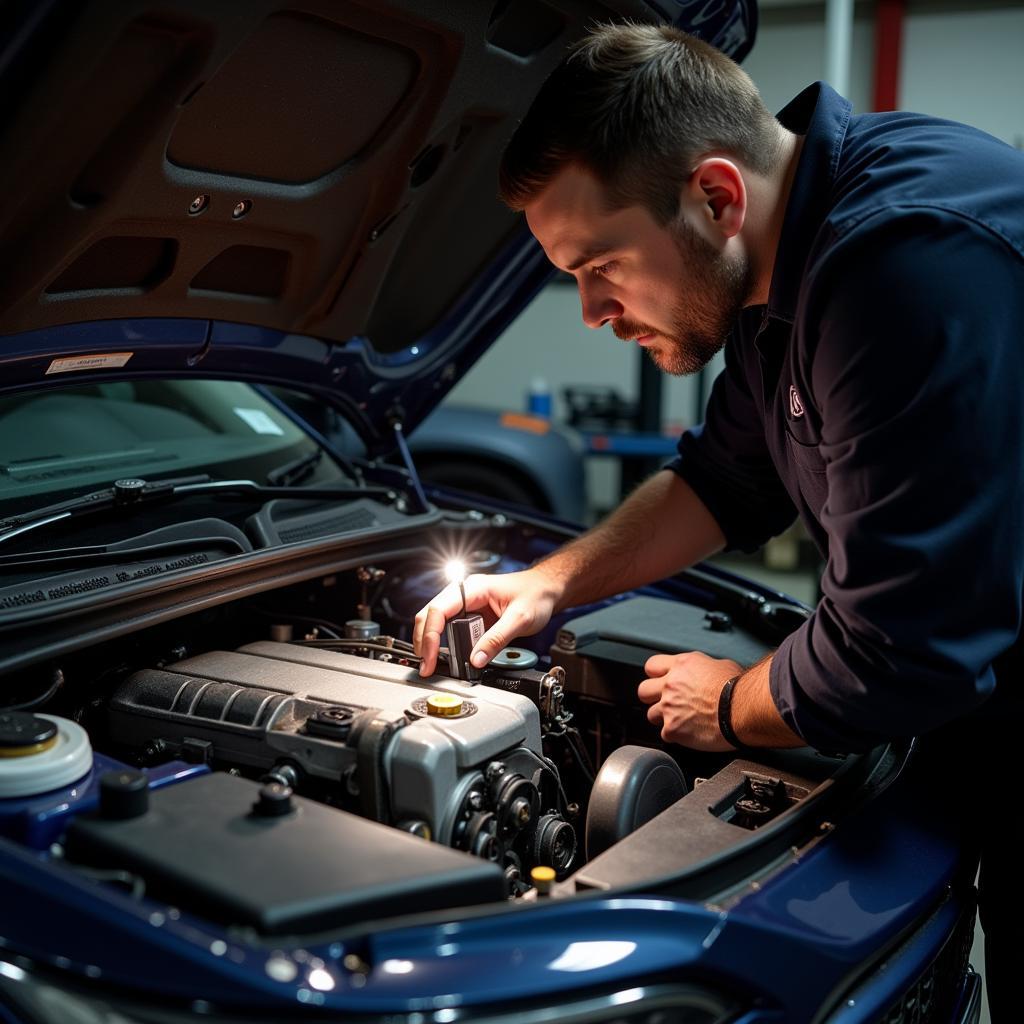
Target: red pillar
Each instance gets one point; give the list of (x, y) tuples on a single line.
[(889, 16)]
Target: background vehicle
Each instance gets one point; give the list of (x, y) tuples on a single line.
[(509, 456)]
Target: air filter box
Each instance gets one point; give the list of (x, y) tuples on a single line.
[(603, 652)]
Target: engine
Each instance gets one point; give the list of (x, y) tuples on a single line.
[(452, 761)]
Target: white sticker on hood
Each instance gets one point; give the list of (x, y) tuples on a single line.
[(259, 421), (106, 361)]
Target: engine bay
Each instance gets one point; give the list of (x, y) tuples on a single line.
[(273, 768)]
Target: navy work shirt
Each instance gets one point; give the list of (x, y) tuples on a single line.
[(879, 396)]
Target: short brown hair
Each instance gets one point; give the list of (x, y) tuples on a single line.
[(636, 105)]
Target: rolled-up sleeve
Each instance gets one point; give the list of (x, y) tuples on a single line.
[(726, 460), (917, 372)]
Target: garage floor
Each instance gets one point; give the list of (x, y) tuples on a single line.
[(803, 585)]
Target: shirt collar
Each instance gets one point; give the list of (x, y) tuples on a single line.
[(821, 115)]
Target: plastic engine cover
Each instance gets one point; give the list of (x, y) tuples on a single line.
[(201, 846), (265, 703)]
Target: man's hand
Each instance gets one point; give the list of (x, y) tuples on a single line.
[(682, 691), (608, 559), (513, 604)]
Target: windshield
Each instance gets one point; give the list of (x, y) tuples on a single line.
[(61, 443)]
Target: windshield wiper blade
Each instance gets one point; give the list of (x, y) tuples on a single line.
[(251, 489), (123, 492), (134, 491)]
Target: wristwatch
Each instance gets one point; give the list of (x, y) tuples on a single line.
[(725, 715)]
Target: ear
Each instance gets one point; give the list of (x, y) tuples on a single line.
[(717, 188)]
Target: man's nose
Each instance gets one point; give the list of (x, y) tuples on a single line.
[(598, 306)]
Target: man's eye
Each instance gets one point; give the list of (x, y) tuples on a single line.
[(604, 269)]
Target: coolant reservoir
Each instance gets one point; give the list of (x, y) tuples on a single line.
[(39, 753)]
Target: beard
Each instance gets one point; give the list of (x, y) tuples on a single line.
[(716, 287)]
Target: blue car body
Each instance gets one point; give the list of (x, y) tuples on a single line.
[(850, 900)]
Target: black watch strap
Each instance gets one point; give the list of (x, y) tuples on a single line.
[(725, 714)]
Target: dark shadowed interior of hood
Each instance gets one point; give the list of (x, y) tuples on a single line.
[(322, 167)]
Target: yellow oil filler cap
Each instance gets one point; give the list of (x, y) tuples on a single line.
[(444, 705), (542, 878)]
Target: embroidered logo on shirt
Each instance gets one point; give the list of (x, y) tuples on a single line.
[(796, 407)]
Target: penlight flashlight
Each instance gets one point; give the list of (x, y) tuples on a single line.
[(455, 571)]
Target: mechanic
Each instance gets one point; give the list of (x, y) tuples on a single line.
[(868, 273)]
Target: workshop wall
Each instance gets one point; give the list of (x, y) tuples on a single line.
[(966, 65), (790, 52), (960, 59)]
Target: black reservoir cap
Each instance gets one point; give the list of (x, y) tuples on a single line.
[(332, 723), (22, 729)]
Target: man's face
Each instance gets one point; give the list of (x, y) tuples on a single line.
[(667, 287)]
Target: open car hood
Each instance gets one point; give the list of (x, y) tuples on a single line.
[(299, 193)]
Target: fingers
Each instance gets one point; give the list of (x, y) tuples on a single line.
[(655, 715), (429, 625), (649, 691), (431, 620), (430, 647), (521, 605), (658, 664), (497, 638)]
